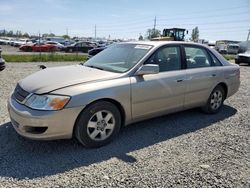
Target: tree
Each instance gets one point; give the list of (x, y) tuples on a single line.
[(18, 33), (48, 35), (51, 35), (140, 37), (26, 35), (152, 33), (195, 34), (10, 33), (66, 36), (3, 32)]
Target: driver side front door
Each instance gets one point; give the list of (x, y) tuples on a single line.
[(160, 93)]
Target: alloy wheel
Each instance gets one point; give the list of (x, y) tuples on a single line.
[(101, 125)]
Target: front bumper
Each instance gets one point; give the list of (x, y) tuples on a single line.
[(42, 125), (242, 59)]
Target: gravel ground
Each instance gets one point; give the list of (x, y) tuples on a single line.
[(186, 149)]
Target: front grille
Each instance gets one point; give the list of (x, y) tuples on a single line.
[(20, 94)]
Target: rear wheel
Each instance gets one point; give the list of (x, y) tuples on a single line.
[(215, 100), (98, 124), (52, 49), (29, 49)]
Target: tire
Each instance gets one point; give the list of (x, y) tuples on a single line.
[(98, 124), (51, 50), (215, 100), (29, 49)]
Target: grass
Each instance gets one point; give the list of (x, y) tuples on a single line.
[(229, 57), (44, 57), (59, 57)]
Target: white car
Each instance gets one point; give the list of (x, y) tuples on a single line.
[(243, 57), (59, 45)]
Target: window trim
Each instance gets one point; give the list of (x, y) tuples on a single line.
[(167, 46), (199, 47), (211, 55)]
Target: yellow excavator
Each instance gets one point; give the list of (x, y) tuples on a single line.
[(172, 34)]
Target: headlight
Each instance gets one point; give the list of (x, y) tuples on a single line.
[(237, 57), (47, 102)]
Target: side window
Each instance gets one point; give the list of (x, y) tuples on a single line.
[(196, 57), (168, 59), (215, 60)]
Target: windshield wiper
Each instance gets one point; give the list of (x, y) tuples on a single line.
[(94, 67)]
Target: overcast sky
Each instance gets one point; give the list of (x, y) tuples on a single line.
[(216, 19)]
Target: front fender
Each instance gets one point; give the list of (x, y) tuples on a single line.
[(84, 94)]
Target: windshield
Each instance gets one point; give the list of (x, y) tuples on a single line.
[(119, 57)]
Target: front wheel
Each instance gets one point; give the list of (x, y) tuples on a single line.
[(98, 124), (215, 100)]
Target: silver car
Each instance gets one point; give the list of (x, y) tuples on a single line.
[(125, 83)]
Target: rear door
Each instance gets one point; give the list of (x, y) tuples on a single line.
[(162, 92), (201, 75)]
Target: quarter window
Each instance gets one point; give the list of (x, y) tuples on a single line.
[(196, 57), (216, 62), (168, 59)]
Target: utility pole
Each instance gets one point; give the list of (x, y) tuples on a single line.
[(154, 25), (40, 54), (67, 31), (95, 31), (248, 35)]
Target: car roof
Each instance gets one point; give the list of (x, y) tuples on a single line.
[(160, 43)]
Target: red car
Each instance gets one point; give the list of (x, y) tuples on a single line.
[(36, 47)]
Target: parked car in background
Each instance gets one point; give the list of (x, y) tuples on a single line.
[(233, 48), (5, 40), (38, 47), (222, 49), (243, 57), (95, 51), (211, 44), (20, 42), (80, 47), (2, 61), (60, 46), (69, 42), (55, 39), (126, 83)]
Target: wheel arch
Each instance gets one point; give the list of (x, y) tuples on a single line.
[(225, 87), (115, 102)]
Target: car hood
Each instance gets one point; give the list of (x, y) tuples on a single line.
[(244, 54), (51, 79)]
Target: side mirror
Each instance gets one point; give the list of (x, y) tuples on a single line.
[(148, 69)]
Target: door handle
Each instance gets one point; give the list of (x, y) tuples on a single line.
[(179, 80), (213, 75)]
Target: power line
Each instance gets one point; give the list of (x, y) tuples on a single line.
[(132, 27), (215, 23), (205, 16), (211, 10)]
